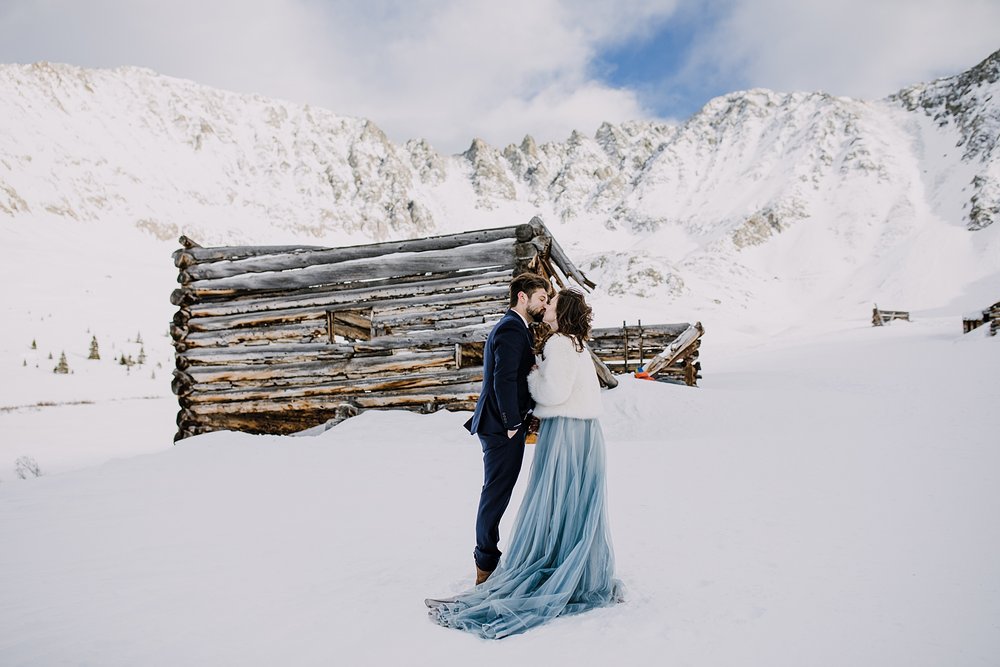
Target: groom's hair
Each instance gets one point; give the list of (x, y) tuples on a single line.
[(529, 283)]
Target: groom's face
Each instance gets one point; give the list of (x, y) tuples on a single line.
[(537, 302)]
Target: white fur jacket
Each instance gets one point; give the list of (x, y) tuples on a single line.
[(565, 383)]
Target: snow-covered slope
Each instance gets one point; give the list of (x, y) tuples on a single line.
[(826, 501)]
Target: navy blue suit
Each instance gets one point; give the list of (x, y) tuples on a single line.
[(504, 404)]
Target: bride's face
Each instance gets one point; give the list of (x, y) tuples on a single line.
[(550, 313)]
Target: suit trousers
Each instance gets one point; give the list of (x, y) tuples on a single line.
[(502, 458)]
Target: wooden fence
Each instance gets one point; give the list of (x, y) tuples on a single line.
[(626, 349), (882, 317)]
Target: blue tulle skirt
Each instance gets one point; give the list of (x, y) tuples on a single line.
[(560, 560)]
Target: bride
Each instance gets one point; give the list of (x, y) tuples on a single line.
[(560, 560)]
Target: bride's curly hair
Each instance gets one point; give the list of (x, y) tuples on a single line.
[(573, 316)]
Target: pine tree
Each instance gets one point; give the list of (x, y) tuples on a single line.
[(50, 355), (34, 345), (138, 337), (95, 353), (62, 366), (142, 356), (24, 362)]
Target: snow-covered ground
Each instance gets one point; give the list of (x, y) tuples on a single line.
[(826, 497)]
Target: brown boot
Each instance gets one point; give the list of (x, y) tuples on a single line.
[(482, 575)]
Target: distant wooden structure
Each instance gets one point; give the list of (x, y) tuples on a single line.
[(664, 351), (282, 338), (883, 317), (989, 316)]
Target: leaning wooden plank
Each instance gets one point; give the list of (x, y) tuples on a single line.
[(561, 259), (604, 374), (675, 349), (496, 255), (299, 258)]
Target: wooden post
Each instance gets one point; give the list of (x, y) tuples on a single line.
[(625, 339), (640, 346)]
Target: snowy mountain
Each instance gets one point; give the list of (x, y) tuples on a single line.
[(764, 210)]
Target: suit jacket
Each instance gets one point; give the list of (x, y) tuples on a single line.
[(504, 401)]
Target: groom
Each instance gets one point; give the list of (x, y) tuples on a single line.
[(502, 412)]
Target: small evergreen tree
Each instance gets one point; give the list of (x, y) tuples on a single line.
[(50, 355), (95, 353), (138, 337), (34, 345), (142, 356), (24, 362), (62, 366)]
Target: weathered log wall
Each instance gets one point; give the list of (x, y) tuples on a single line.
[(276, 339)]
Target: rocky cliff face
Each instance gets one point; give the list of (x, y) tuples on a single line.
[(969, 104)]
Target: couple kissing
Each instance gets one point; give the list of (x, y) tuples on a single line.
[(560, 558)]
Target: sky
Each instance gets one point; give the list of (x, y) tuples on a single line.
[(449, 71)]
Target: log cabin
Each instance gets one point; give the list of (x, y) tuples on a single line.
[(279, 339)]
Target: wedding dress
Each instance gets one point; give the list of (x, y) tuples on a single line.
[(560, 560)]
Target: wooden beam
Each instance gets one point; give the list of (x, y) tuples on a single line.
[(498, 255), (297, 258)]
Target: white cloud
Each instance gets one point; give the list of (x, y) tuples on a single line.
[(451, 70), (446, 70), (859, 48)]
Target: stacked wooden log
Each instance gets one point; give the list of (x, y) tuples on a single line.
[(627, 348), (883, 317), (994, 315), (276, 339)]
